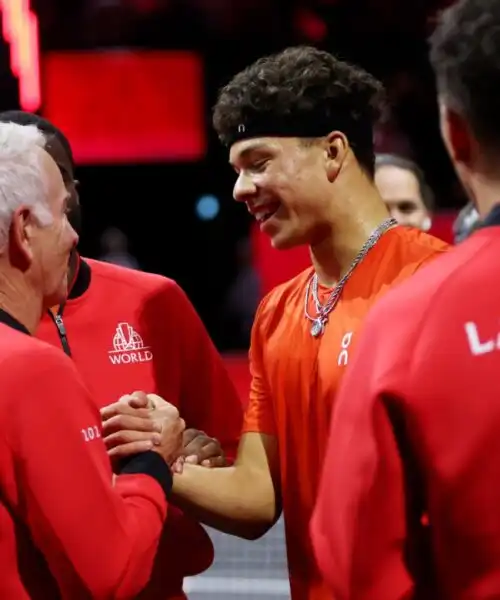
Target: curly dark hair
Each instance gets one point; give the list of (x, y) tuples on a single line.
[(301, 92), (465, 55)]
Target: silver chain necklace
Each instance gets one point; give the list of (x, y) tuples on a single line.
[(323, 310)]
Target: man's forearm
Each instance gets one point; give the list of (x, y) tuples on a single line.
[(234, 500)]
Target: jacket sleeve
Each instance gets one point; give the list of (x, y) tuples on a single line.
[(456, 437), (209, 399), (97, 538)]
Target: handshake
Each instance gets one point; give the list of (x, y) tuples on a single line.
[(140, 422)]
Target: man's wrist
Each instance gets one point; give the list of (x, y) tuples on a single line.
[(150, 463)]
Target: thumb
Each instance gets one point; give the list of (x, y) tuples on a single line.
[(156, 401)]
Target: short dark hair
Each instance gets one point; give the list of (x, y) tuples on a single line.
[(465, 55), (26, 118), (395, 160), (301, 92)]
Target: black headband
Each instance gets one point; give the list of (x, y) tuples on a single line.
[(303, 126)]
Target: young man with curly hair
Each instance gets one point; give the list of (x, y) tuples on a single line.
[(299, 128)]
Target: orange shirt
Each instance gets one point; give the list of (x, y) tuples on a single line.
[(295, 378)]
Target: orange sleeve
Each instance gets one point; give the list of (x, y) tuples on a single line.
[(259, 415)]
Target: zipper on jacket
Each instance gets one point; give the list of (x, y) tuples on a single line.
[(61, 329)]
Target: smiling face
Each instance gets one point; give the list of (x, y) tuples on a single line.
[(284, 183)]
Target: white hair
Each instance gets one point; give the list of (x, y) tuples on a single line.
[(22, 180)]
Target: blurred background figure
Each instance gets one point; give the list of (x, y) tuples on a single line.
[(468, 221), (114, 249), (402, 185), (244, 295)]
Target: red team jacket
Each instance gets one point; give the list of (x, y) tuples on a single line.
[(416, 433), (65, 531), (127, 330)]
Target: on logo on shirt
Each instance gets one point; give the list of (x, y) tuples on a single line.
[(343, 357), (128, 347)]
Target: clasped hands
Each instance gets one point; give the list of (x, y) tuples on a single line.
[(140, 422)]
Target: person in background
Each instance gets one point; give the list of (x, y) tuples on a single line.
[(114, 249), (128, 330), (402, 185), (69, 528), (408, 504), (243, 296), (298, 126)]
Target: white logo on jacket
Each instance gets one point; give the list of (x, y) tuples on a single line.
[(480, 344), (128, 347)]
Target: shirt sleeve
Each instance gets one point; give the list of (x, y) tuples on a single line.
[(96, 538), (259, 415), (358, 527), (209, 399)]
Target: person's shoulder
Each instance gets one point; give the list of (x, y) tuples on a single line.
[(403, 251), (416, 244), (134, 281), (38, 378), (21, 353), (433, 288), (421, 325), (467, 265), (283, 296)]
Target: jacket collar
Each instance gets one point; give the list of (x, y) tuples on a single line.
[(81, 280), (9, 320), (493, 218)]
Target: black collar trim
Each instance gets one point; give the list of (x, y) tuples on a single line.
[(82, 280), (493, 218), (9, 320)]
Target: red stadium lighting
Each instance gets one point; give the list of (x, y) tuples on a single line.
[(20, 31)]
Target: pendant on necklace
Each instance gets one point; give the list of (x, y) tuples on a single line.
[(317, 328)]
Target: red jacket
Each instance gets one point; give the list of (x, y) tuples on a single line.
[(65, 531), (127, 330), (409, 504)]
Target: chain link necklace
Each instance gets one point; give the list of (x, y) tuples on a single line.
[(323, 310)]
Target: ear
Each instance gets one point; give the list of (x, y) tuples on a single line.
[(337, 148), (456, 136), (427, 224), (21, 235)]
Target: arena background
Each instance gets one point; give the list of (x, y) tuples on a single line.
[(131, 82)]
